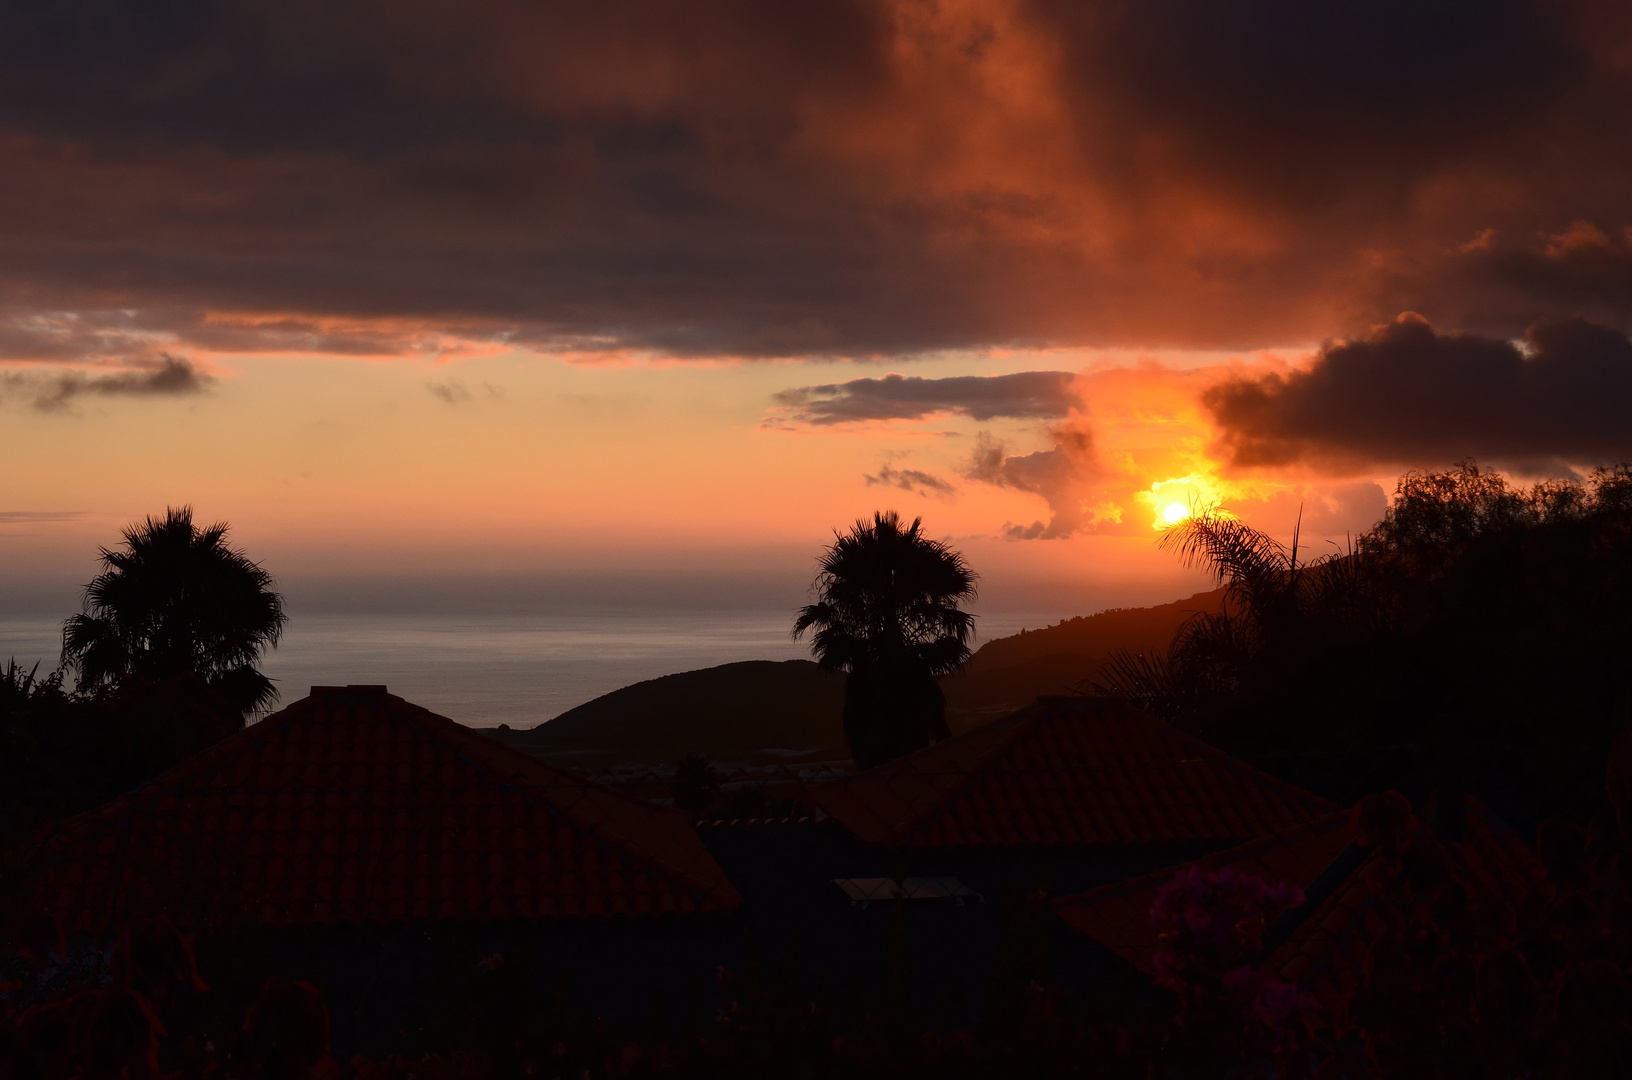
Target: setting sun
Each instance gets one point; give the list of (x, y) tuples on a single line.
[(1172, 501)]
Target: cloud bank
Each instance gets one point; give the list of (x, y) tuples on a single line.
[(837, 178), (1406, 394), (170, 377), (1022, 395)]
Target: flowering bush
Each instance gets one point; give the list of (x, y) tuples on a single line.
[(1211, 924)]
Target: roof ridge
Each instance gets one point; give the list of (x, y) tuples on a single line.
[(1235, 764), (597, 814), (1018, 723), (1123, 771), (1222, 857), (200, 761), (470, 739)]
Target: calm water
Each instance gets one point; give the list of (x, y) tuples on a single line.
[(502, 669)]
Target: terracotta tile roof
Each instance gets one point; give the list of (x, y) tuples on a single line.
[(353, 805), (1326, 953), (1118, 916), (1067, 771)]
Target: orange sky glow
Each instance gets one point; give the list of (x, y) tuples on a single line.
[(568, 292), (489, 461)]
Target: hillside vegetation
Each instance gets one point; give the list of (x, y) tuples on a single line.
[(739, 711), (1010, 672)]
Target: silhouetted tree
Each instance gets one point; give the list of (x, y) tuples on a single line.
[(887, 613), (1211, 652), (1475, 639), (695, 784), (171, 635), (35, 724)]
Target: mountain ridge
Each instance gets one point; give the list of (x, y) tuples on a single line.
[(793, 710)]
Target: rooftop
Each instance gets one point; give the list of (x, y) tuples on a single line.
[(354, 805), (1118, 916), (1323, 946), (1067, 771)]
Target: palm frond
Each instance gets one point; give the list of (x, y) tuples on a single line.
[(1227, 547), (1144, 680)]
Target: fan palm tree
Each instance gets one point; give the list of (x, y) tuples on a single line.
[(887, 614), (175, 615)]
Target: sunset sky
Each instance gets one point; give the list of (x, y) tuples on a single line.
[(503, 302)]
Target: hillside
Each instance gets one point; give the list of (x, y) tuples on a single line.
[(730, 712), (792, 710), (1009, 672)]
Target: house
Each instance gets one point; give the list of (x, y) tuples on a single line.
[(364, 843), (1323, 946), (942, 854)]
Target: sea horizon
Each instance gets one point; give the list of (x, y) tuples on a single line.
[(517, 669)]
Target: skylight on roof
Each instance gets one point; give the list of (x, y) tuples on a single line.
[(866, 889)]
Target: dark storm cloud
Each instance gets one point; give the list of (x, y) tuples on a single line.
[(1407, 394), (837, 178), (1305, 100), (1505, 284), (1025, 394), (169, 377)]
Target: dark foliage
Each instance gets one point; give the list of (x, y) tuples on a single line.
[(695, 784), (1476, 639), (176, 605), (887, 613), (164, 658)]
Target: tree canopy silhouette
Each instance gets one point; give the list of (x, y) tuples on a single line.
[(1475, 639), (177, 620), (887, 613)]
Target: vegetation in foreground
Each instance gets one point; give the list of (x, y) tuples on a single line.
[(164, 658), (1476, 640)]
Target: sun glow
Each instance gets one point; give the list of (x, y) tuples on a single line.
[(1172, 501)]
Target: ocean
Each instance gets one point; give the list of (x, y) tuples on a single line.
[(519, 670)]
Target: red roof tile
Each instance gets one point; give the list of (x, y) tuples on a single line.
[(1118, 916), (1326, 953), (1067, 771), (353, 805)]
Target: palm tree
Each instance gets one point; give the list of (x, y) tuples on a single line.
[(177, 612), (1266, 591), (887, 613)]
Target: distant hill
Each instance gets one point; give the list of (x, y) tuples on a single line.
[(742, 711), (1010, 672), (730, 712)]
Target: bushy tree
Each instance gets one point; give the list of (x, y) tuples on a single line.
[(887, 613), (1475, 639), (695, 784)]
